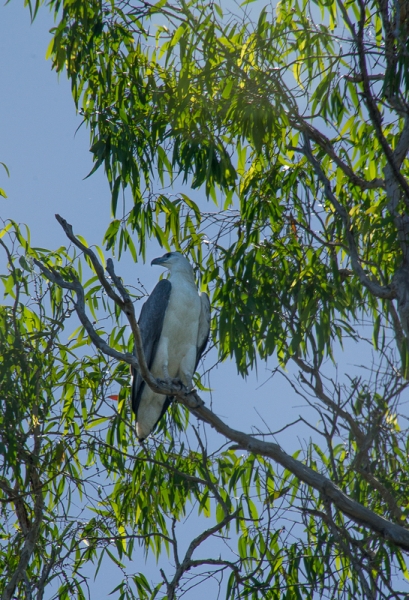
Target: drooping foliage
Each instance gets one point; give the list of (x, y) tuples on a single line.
[(288, 122), (271, 144)]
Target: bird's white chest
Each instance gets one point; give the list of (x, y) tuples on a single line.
[(182, 314), (177, 348)]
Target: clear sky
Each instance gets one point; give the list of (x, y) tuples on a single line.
[(48, 161)]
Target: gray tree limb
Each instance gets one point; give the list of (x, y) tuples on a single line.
[(31, 537)]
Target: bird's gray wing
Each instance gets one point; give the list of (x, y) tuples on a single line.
[(204, 326), (150, 325)]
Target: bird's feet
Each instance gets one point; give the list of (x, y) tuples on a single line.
[(179, 383), (174, 382)]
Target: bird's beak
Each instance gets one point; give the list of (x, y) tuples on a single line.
[(159, 261)]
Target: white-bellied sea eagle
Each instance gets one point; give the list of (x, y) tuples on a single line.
[(174, 325)]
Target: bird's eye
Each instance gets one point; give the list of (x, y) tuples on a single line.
[(168, 254)]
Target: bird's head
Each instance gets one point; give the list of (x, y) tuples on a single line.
[(170, 260), (174, 261)]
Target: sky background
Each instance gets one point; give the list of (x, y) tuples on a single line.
[(48, 158)]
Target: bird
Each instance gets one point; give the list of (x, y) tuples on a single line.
[(174, 324)]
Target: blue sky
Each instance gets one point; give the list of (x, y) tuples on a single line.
[(46, 158)]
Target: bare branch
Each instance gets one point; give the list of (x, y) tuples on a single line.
[(91, 255), (209, 482), (46, 573), (187, 562), (318, 390)]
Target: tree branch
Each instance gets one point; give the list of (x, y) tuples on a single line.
[(209, 482), (354, 510), (374, 287), (31, 537), (372, 107), (318, 390), (187, 562), (325, 144), (46, 573)]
